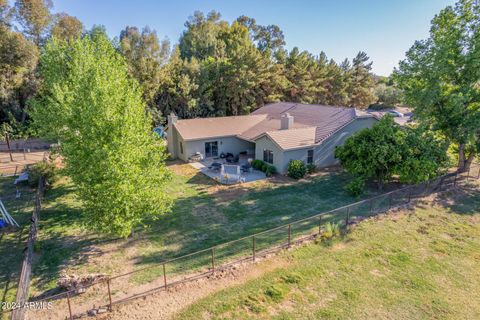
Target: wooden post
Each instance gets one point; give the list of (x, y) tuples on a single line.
[(390, 201), (409, 194), (213, 260), (253, 248), (8, 146), (289, 235), (455, 181), (69, 306), (109, 296), (164, 277)]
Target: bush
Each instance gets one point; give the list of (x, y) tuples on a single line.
[(356, 187), (311, 168), (257, 164), (264, 167), (271, 170), (276, 293), (296, 169), (45, 169), (330, 231)]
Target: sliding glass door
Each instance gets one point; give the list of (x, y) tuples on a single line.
[(211, 149)]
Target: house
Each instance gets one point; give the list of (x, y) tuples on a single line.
[(276, 133)]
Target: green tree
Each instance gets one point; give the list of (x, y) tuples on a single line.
[(361, 84), (66, 27), (146, 57), (440, 78), (94, 109), (18, 60), (34, 16), (387, 149)]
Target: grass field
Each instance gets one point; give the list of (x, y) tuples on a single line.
[(421, 265), (204, 214)]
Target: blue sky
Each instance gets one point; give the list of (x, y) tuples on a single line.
[(385, 29)]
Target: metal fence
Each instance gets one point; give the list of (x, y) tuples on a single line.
[(102, 295)]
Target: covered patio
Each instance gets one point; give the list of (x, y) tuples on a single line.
[(227, 172)]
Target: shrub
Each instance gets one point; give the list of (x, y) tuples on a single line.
[(330, 231), (292, 278), (45, 169), (311, 168), (271, 170), (296, 169), (275, 293), (257, 164), (356, 187), (264, 167)]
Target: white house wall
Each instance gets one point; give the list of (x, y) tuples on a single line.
[(226, 145), (265, 143)]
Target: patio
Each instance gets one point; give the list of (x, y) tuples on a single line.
[(229, 173)]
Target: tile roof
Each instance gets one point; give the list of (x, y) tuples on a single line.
[(312, 124)]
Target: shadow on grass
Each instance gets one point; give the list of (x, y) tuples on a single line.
[(206, 220)]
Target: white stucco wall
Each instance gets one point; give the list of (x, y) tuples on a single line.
[(265, 143), (232, 145), (323, 155)]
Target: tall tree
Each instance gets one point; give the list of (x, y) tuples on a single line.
[(268, 38), (66, 27), (145, 56), (18, 60), (90, 104), (34, 16), (361, 84), (440, 78)]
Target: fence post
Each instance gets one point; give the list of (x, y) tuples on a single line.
[(455, 180), (410, 194), (347, 218), (213, 260), (253, 248), (371, 206), (109, 296), (69, 306), (164, 277), (319, 225), (289, 235), (390, 201)]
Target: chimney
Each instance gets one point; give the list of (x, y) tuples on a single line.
[(286, 122), (171, 135)]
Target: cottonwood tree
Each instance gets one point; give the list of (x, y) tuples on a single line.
[(90, 104), (387, 149), (441, 75)]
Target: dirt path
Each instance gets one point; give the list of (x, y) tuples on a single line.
[(164, 305)]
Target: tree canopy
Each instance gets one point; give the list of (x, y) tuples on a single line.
[(90, 104), (440, 78), (386, 149)]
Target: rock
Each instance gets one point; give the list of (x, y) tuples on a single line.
[(102, 310), (92, 313)]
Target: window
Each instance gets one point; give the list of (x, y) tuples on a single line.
[(211, 149), (310, 156), (268, 156), (181, 147)]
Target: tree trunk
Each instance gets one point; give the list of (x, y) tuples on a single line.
[(461, 157), (8, 146), (464, 163)]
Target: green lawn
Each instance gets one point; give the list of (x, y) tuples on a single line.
[(12, 244), (408, 266), (204, 214)]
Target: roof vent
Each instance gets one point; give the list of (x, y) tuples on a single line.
[(286, 122)]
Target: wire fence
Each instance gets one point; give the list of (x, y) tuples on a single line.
[(26, 271), (100, 296)]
